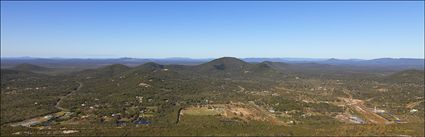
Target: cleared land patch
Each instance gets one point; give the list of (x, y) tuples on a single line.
[(244, 112), (202, 111)]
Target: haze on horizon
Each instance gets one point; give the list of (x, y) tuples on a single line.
[(361, 30)]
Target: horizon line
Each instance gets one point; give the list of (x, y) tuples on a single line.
[(32, 57)]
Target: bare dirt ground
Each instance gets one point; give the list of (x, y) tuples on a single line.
[(358, 106), (245, 112), (414, 104)]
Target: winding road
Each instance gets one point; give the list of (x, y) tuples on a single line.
[(70, 93), (47, 117)]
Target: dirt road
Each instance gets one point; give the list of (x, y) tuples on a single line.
[(47, 117), (413, 104), (358, 106), (67, 95)]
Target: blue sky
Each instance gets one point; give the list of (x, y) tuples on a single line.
[(213, 29)]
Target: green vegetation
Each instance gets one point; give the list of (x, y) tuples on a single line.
[(25, 94), (271, 99)]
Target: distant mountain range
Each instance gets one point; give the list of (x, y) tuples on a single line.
[(381, 63), (230, 67)]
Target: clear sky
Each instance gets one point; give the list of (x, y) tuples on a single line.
[(362, 30)]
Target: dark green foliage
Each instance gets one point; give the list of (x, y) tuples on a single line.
[(288, 89), (25, 94)]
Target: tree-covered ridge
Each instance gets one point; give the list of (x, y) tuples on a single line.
[(267, 98)]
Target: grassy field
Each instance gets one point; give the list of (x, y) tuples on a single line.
[(202, 111)]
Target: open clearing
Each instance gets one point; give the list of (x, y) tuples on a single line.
[(414, 104), (245, 112), (358, 106), (202, 111)]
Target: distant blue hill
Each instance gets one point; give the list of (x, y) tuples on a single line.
[(381, 63)]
